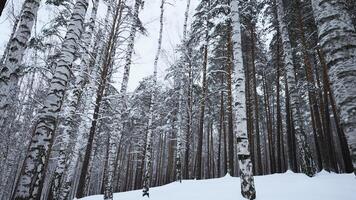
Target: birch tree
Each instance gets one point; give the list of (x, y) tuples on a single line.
[(10, 70), (246, 175), (75, 97), (180, 99), (337, 38), (293, 92), (148, 149), (30, 182)]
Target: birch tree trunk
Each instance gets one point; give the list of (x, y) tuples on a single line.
[(10, 70), (75, 95), (148, 149), (337, 37), (244, 159), (30, 183), (85, 123), (14, 28), (293, 93)]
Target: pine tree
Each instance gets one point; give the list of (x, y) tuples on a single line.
[(105, 71), (204, 8)]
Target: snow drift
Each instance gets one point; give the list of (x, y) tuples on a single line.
[(286, 186)]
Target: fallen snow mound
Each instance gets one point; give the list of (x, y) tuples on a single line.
[(287, 186)]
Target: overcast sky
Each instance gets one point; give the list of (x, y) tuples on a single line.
[(145, 46)]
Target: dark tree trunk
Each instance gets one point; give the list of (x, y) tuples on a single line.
[(198, 167), (255, 101), (269, 127), (342, 138), (221, 126), (278, 107), (189, 120), (2, 6), (229, 106)]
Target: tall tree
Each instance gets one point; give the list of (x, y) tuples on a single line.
[(293, 92), (76, 95), (337, 39), (199, 151), (30, 182), (148, 148), (246, 174), (187, 69), (105, 71), (10, 70)]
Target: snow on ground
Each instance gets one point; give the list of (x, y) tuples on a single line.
[(287, 186)]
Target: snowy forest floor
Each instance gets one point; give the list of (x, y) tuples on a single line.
[(286, 186)]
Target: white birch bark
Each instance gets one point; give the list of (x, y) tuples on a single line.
[(30, 182), (7, 48), (75, 97), (148, 151), (115, 136), (300, 134), (239, 98), (10, 69), (72, 163), (337, 37)]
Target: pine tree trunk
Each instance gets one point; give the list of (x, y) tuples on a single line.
[(115, 136), (199, 155), (256, 107), (337, 39), (189, 123), (180, 98), (278, 108), (229, 104), (269, 127), (107, 64), (247, 181), (343, 143), (221, 126), (314, 107), (249, 113)]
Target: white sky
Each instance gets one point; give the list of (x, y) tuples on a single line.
[(145, 46)]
